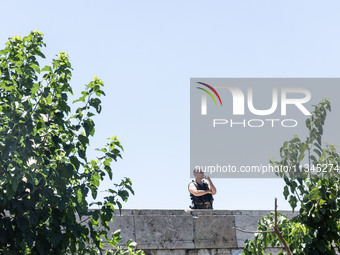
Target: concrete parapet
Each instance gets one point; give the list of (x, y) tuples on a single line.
[(188, 232)]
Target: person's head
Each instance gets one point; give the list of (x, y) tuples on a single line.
[(198, 173)]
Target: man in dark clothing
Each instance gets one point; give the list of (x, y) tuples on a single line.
[(201, 192)]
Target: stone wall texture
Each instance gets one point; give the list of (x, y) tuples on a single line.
[(188, 232)]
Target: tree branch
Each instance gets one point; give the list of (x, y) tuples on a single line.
[(253, 232), (276, 231)]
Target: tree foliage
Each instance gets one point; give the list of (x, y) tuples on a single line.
[(45, 174), (312, 184)]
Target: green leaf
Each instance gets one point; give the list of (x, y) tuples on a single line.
[(313, 158), (79, 195), (35, 67), (116, 236), (3, 52), (95, 179), (49, 99), (314, 194), (82, 99), (89, 127), (94, 191), (317, 152), (132, 245), (46, 69), (292, 201), (321, 202), (82, 154), (286, 191), (308, 122), (67, 170), (40, 54), (34, 89), (321, 246), (109, 171), (83, 139), (130, 189), (42, 246), (75, 162), (95, 103), (56, 239), (123, 194)]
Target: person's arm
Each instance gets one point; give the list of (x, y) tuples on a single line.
[(197, 193), (211, 185)]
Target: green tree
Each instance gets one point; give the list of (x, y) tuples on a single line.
[(313, 184), (45, 175)]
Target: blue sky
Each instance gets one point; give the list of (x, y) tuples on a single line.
[(147, 51)]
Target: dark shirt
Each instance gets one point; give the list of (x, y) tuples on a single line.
[(201, 202)]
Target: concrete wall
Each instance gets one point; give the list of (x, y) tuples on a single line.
[(188, 232)]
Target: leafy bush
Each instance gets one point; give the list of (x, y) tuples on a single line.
[(314, 186), (45, 175)]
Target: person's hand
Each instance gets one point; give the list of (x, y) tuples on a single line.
[(207, 177)]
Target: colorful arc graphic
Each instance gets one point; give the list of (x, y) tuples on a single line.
[(213, 90), (209, 94)]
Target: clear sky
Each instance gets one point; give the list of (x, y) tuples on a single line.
[(147, 51)]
